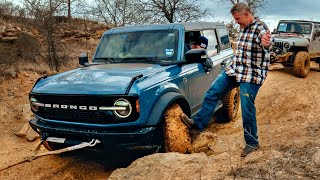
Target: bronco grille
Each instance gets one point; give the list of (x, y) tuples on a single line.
[(91, 115)]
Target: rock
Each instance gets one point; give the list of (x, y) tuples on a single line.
[(92, 42), (168, 166), (9, 38), (27, 113), (253, 157), (201, 142), (224, 163), (273, 154), (68, 176), (9, 26), (27, 133), (2, 29), (281, 175), (316, 157), (11, 30), (18, 29), (8, 33)]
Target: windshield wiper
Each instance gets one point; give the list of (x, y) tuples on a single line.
[(107, 59), (143, 58)]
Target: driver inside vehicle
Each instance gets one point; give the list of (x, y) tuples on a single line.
[(202, 43)]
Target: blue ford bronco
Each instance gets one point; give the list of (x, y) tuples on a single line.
[(130, 96)]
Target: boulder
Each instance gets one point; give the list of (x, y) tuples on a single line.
[(2, 29), (316, 158), (27, 133), (9, 38), (173, 166)]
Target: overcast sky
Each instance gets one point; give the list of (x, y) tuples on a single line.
[(274, 11)]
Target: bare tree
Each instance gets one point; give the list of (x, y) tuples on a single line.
[(7, 8), (117, 12), (232, 29), (74, 7), (254, 5), (175, 10), (43, 11), (69, 8)]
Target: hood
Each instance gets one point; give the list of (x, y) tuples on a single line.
[(293, 40), (96, 79)]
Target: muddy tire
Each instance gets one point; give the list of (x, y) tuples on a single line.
[(176, 133), (231, 103), (301, 66)]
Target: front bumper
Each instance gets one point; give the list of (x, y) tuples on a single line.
[(147, 138), (279, 58)]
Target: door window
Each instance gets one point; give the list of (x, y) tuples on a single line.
[(224, 38), (212, 42)]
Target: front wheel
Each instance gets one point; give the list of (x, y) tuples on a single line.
[(176, 133), (301, 66)]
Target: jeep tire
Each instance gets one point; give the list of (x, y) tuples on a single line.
[(176, 133), (301, 66), (231, 101)]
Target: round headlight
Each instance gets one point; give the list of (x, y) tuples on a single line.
[(286, 45), (127, 108)]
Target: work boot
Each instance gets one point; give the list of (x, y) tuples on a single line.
[(249, 149), (189, 122)]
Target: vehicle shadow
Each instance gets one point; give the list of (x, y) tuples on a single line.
[(110, 160)]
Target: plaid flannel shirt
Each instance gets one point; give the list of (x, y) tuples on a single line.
[(251, 61)]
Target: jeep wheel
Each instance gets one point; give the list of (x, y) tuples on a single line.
[(176, 133), (230, 106), (301, 66)]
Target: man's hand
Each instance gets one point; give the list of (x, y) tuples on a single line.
[(265, 39)]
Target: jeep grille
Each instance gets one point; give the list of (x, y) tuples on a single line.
[(91, 115), (279, 45)]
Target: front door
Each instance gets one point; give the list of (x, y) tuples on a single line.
[(315, 40)]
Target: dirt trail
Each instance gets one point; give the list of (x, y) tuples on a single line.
[(288, 119)]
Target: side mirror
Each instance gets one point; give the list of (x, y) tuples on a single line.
[(83, 59), (274, 31), (196, 55)]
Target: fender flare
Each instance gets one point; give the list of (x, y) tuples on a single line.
[(163, 103)]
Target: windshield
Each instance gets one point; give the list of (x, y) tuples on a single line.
[(151, 46), (294, 27)]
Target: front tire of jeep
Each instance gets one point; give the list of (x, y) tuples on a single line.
[(230, 108), (176, 133), (301, 66)]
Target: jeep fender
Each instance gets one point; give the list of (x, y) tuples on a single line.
[(163, 103)]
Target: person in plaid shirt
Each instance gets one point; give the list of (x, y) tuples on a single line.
[(248, 70)]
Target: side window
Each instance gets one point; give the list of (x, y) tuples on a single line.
[(212, 42), (190, 37), (317, 30), (224, 38)]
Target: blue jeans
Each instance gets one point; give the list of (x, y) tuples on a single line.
[(218, 89)]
